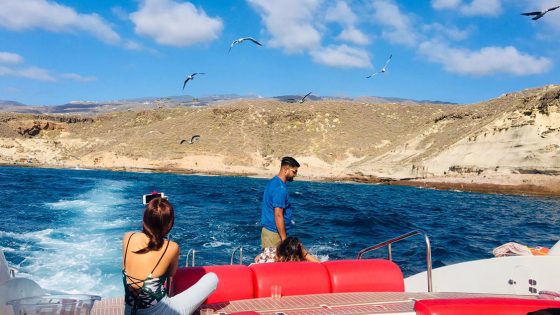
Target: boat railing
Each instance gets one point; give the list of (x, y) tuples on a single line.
[(240, 248), (193, 252), (388, 244), (12, 271)]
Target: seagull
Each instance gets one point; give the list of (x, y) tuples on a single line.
[(382, 70), (241, 40), (293, 100), (193, 139), (191, 77), (303, 98), (539, 14)]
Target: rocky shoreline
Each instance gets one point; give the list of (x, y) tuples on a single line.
[(514, 184)]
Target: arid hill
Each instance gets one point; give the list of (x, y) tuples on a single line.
[(514, 135)]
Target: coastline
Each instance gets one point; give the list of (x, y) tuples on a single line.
[(506, 145), (510, 184)]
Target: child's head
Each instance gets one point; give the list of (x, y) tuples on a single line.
[(290, 249)]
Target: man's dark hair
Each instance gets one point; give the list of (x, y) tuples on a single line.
[(289, 161)]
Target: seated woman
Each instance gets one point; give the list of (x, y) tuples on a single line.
[(290, 249), (149, 262)]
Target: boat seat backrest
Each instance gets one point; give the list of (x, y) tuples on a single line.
[(238, 282), (295, 278), (235, 282), (483, 306), (365, 275)]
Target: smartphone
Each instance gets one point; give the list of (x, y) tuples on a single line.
[(147, 198)]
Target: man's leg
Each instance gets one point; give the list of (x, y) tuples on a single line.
[(269, 238)]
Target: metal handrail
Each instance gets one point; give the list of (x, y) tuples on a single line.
[(12, 271), (188, 254), (240, 248), (400, 238)]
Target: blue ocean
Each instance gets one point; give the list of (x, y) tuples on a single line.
[(63, 228)]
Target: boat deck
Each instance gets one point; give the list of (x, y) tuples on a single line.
[(317, 304)]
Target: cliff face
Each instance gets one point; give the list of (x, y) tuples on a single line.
[(516, 133)]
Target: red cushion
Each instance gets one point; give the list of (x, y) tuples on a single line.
[(235, 282), (482, 306), (365, 275), (296, 278)]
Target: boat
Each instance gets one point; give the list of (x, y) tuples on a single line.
[(504, 285)]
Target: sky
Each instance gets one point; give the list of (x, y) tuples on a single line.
[(462, 51)]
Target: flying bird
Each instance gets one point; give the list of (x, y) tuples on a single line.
[(293, 100), (539, 14), (241, 40), (193, 139), (383, 69), (191, 77)]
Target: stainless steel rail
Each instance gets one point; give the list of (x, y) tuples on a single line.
[(188, 255), (240, 248), (400, 238)]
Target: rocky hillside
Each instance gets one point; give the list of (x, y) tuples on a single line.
[(516, 133)]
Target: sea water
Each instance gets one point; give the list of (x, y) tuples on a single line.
[(63, 228)]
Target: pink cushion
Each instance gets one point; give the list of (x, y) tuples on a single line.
[(235, 282), (365, 275), (482, 306), (296, 278)]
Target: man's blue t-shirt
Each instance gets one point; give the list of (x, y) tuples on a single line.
[(276, 196)]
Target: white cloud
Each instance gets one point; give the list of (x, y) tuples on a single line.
[(482, 7), (474, 8), (289, 22), (398, 28), (449, 31), (120, 13), (28, 72), (445, 4), (35, 74), (175, 24), (486, 61), (354, 35), (14, 69), (341, 13), (41, 14), (341, 56), (78, 77), (7, 57)]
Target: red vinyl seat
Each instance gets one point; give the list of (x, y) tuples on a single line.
[(296, 278), (235, 282), (238, 282), (365, 275)]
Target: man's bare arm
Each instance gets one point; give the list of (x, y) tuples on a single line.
[(279, 220)]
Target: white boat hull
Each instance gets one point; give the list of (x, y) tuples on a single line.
[(504, 275)]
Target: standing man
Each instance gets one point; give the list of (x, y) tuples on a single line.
[(276, 215)]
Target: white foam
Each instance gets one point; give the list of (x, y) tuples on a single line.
[(80, 255), (216, 244), (7, 249)]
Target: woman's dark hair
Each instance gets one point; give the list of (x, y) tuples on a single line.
[(158, 221), (290, 249)]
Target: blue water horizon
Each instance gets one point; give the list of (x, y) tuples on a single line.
[(63, 228)]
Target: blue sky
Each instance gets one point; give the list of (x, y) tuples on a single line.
[(465, 51)]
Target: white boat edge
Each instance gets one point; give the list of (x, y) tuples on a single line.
[(520, 275)]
